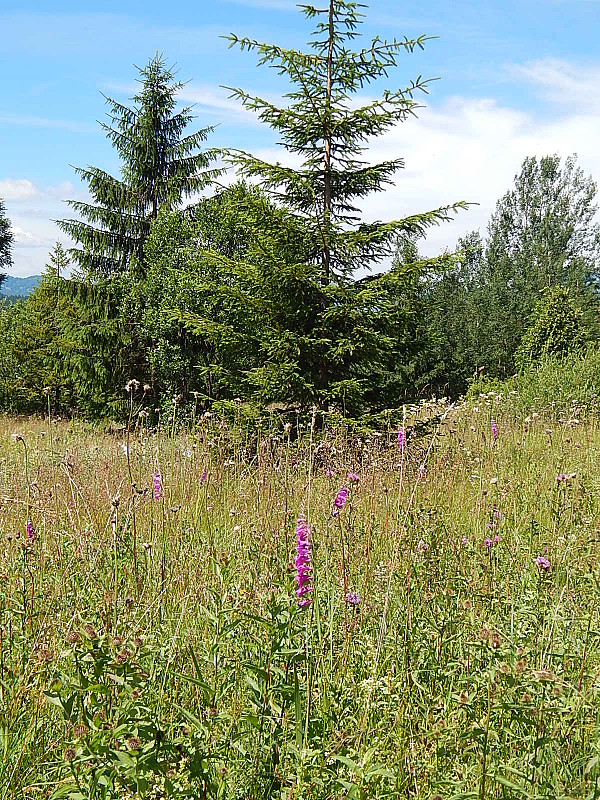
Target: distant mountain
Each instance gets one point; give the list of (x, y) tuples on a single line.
[(19, 287)]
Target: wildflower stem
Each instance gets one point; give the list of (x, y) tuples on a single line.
[(132, 495), (345, 583)]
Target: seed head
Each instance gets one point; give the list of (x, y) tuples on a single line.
[(80, 730)]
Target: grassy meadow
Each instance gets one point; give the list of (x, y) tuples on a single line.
[(152, 645)]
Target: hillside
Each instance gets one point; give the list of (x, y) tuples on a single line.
[(19, 287)]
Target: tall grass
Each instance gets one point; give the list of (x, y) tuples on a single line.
[(154, 647)]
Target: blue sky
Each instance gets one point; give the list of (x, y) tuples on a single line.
[(516, 79)]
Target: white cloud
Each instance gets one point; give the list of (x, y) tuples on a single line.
[(570, 85), (470, 150), (19, 189), (217, 100)]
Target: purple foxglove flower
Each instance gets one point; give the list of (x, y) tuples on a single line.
[(303, 563), (29, 532), (401, 439), (203, 477), (542, 562), (353, 598), (340, 500), (353, 477), (157, 486), (494, 428)]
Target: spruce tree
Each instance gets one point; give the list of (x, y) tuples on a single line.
[(6, 241), (160, 166), (322, 125), (326, 332)]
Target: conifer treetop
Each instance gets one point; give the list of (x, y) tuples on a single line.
[(323, 125), (160, 166)]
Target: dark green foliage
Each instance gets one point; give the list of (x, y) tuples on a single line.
[(323, 349), (542, 234), (37, 346), (557, 329), (9, 314), (68, 339), (161, 167), (247, 317), (6, 241), (198, 311), (455, 317)]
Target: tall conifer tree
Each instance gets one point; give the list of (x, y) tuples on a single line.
[(329, 333), (161, 166)]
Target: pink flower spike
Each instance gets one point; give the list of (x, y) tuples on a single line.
[(29, 531), (203, 477), (157, 486), (494, 428), (353, 477), (340, 500), (303, 563), (401, 439)]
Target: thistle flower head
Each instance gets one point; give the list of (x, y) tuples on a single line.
[(542, 562), (353, 598), (303, 563)]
